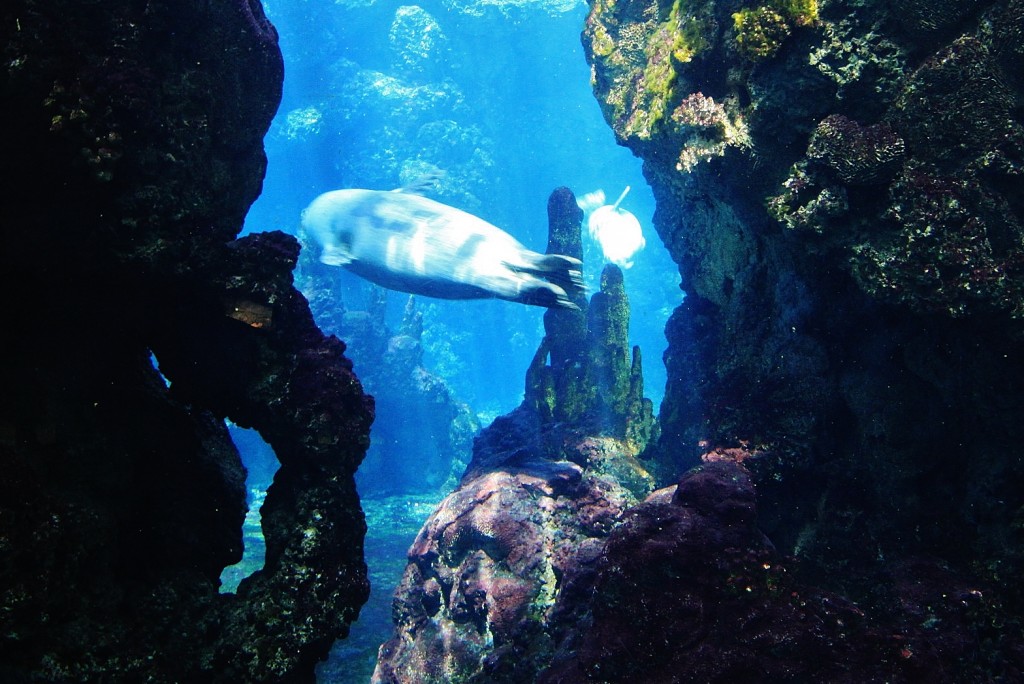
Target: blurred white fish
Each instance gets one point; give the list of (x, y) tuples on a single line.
[(615, 229)]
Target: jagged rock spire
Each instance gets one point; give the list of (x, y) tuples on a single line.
[(582, 372)]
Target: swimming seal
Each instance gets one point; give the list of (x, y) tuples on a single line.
[(404, 241)]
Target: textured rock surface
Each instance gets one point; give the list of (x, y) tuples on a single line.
[(582, 375), (428, 419), (840, 184), (689, 590), (485, 570), (545, 487), (133, 150)]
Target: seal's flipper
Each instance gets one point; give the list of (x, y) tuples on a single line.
[(565, 272), (551, 297), (539, 292), (335, 256)]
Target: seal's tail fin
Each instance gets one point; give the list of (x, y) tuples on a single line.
[(565, 273)]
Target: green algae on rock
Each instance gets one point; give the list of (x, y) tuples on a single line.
[(854, 272), (546, 485), (759, 31)]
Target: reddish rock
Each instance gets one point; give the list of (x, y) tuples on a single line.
[(485, 570), (689, 590)]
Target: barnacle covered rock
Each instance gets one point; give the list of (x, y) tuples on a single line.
[(957, 105), (858, 155), (866, 67), (806, 204), (958, 252), (707, 129)]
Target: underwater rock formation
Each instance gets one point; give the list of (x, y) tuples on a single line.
[(417, 41), (582, 373), (840, 185), (545, 487), (688, 589), (428, 419), (132, 152)]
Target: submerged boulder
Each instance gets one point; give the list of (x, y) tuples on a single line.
[(688, 589), (485, 571)]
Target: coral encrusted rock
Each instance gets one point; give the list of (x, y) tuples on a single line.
[(132, 151), (546, 485), (689, 590), (842, 197)]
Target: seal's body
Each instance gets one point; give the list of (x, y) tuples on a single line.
[(407, 242)]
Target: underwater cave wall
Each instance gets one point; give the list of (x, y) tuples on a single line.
[(840, 184), (131, 153)]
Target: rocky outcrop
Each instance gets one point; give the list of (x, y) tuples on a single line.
[(543, 490), (840, 186), (582, 374), (688, 589), (486, 569), (428, 420), (133, 150)]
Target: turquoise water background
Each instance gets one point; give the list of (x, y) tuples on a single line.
[(497, 97)]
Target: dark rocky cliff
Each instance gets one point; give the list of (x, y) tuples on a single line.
[(840, 184), (131, 151)]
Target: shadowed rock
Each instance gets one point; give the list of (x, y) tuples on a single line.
[(840, 185), (689, 590), (133, 153)]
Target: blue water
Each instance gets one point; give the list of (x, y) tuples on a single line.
[(498, 98), (525, 123)]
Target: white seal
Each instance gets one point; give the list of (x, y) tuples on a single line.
[(407, 242)]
